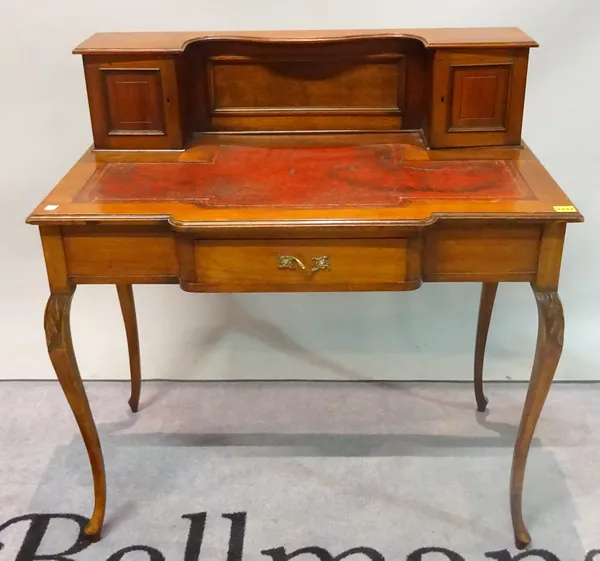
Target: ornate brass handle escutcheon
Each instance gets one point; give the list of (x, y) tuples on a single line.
[(321, 263), (291, 262)]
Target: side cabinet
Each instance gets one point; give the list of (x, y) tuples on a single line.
[(477, 97), (134, 102)]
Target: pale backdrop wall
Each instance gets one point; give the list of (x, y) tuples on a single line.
[(427, 334)]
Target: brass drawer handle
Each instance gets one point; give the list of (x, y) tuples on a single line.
[(290, 262)]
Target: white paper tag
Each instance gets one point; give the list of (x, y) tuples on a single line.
[(50, 207)]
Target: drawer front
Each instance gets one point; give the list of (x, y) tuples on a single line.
[(481, 253), (299, 265), (136, 255)]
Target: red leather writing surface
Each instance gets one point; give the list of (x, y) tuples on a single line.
[(306, 177)]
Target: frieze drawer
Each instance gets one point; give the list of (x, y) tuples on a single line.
[(311, 265)]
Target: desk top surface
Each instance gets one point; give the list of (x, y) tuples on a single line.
[(384, 178)]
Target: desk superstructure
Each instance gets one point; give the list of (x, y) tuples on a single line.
[(306, 161)]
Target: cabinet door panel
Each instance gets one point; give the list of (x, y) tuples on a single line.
[(478, 98), (134, 102)]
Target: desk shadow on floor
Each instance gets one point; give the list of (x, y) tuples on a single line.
[(446, 490)]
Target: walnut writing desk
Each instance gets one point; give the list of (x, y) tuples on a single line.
[(306, 161)]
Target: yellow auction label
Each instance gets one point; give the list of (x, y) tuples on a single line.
[(565, 209)]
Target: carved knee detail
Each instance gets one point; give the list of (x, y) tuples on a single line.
[(56, 320)]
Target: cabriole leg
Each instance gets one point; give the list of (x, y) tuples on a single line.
[(547, 354), (125, 292), (60, 348), (486, 305)]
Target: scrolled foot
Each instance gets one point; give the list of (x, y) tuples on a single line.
[(92, 535), (522, 538), (482, 403), (134, 404)]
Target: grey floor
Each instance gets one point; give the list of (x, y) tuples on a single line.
[(390, 466)]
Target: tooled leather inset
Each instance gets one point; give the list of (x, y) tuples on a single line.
[(350, 176)]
